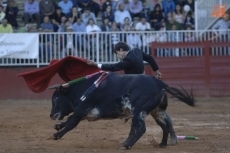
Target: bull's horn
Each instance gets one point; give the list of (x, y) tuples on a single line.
[(56, 86)]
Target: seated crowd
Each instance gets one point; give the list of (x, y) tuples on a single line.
[(62, 13)]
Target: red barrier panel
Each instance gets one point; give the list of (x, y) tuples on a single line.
[(208, 75)]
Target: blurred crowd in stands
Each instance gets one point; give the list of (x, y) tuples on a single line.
[(83, 15)]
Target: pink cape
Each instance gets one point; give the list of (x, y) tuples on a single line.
[(68, 68)]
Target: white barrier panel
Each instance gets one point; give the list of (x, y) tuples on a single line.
[(19, 46)]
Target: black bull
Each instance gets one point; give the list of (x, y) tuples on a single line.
[(118, 96)]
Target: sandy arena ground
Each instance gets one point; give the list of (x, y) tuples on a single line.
[(25, 126)]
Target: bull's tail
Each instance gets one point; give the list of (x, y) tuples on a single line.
[(181, 95)]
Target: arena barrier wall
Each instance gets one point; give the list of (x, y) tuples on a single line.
[(208, 74)]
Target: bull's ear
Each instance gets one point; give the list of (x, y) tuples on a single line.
[(56, 86)]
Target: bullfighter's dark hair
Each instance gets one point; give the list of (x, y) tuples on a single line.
[(121, 45)]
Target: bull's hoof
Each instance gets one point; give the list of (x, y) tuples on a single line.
[(122, 143), (125, 148), (57, 127), (162, 145), (52, 137), (172, 141)]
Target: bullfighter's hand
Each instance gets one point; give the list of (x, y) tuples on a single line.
[(89, 62), (158, 75)]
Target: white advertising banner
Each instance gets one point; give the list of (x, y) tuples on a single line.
[(23, 45)]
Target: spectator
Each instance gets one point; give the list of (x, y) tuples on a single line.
[(189, 20), (153, 3), (156, 15), (88, 15), (108, 14), (147, 39), (79, 27), (121, 14), (169, 15), (174, 37), (145, 10), (68, 22), (133, 39), (74, 15), (172, 22), (62, 25), (92, 27), (46, 39), (143, 25), (127, 25), (135, 8), (180, 2), (178, 15), (105, 25), (97, 6), (84, 4), (12, 12), (114, 4), (191, 37), (106, 4), (45, 45), (161, 36), (25, 29), (2, 14), (75, 3), (163, 24), (221, 28), (114, 38), (55, 3), (5, 27), (114, 27), (69, 41), (168, 6), (46, 8), (3, 3), (56, 18), (126, 4), (46, 26), (31, 9), (66, 6)]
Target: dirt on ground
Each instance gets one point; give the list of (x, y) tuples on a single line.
[(25, 126)]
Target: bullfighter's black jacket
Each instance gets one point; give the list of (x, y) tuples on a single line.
[(132, 63)]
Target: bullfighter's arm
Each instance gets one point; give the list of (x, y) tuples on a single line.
[(148, 58)]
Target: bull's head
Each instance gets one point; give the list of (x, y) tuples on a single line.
[(61, 103)]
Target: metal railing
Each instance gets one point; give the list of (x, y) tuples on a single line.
[(99, 46)]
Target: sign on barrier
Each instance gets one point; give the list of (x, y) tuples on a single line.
[(218, 11), (19, 46)]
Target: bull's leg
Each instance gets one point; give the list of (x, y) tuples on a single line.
[(77, 116), (173, 137), (61, 125), (162, 108), (138, 128), (160, 118), (132, 131)]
